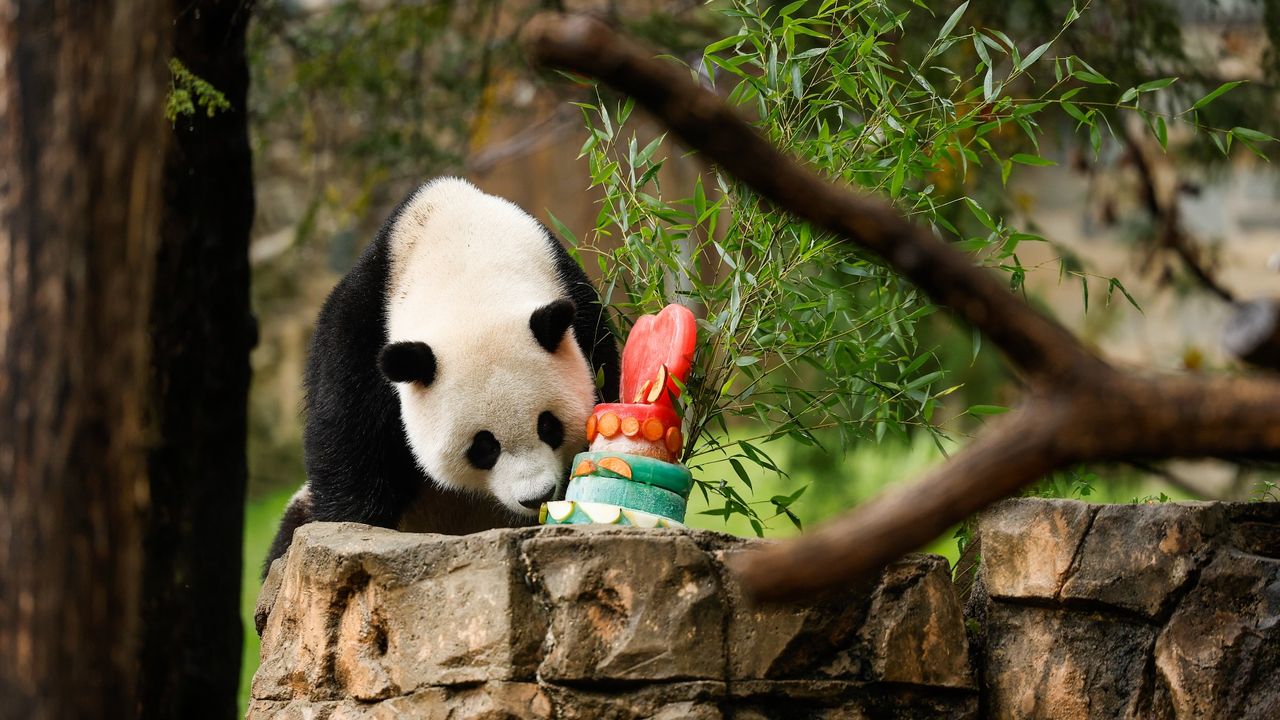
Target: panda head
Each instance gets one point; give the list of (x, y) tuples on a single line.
[(489, 411), (494, 389)]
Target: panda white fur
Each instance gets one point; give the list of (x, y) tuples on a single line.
[(451, 372)]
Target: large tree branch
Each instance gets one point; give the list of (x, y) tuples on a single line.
[(1079, 407)]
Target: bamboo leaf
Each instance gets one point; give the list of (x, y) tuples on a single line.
[(1217, 93), (950, 24)]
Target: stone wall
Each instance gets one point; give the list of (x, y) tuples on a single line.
[(1129, 611), (1078, 611)]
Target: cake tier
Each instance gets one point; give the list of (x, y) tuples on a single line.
[(569, 512), (636, 428), (627, 494), (636, 468)]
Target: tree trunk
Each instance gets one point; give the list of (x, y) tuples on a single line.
[(201, 336), (81, 150)]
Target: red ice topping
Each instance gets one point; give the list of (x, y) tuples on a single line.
[(659, 348)]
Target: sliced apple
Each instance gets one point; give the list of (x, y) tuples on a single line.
[(659, 385)]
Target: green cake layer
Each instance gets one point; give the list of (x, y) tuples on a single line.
[(569, 512), (627, 494), (644, 470)]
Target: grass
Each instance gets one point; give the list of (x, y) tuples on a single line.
[(831, 485), (261, 516)]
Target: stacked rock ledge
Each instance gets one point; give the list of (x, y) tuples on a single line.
[(1168, 610), (591, 622), (1078, 611)]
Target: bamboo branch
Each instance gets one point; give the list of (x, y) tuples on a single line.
[(1032, 342), (1078, 409)]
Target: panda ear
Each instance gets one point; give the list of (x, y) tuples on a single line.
[(550, 322), (402, 362)]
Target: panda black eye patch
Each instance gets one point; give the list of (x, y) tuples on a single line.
[(402, 362), (484, 451), (550, 430)]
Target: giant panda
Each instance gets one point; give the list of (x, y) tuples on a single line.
[(451, 372)]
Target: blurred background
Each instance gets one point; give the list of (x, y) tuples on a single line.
[(355, 102)]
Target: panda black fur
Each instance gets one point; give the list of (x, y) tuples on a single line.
[(451, 372)]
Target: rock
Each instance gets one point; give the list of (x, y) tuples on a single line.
[(580, 622), (847, 700), (276, 709), (1168, 610), (490, 701), (915, 628), (627, 605), (664, 701), (1050, 663), (1028, 545), (1136, 556), (267, 595), (906, 626), (1255, 527), (1219, 654), (370, 613), (817, 639)]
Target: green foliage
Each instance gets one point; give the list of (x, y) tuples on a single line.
[(189, 92), (374, 98), (1266, 490), (1076, 483), (803, 333)]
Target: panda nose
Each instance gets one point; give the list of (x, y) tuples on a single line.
[(536, 502)]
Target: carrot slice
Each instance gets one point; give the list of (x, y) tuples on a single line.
[(617, 465), (591, 429), (653, 429), (586, 467), (608, 425), (630, 426), (675, 440)]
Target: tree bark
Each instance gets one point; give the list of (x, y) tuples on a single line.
[(81, 149), (202, 332)]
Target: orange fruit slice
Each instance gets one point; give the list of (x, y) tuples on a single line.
[(617, 465)]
